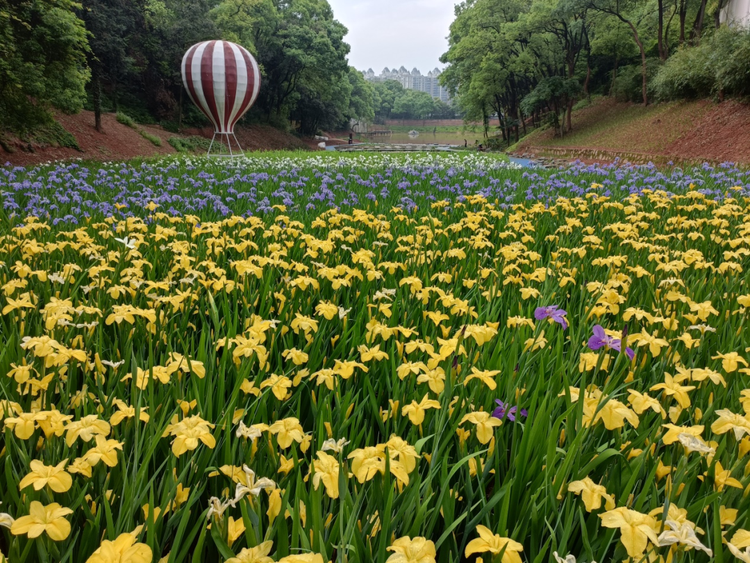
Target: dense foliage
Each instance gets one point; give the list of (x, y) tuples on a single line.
[(378, 358), (719, 66), (42, 61), (392, 101), (132, 49), (531, 61)]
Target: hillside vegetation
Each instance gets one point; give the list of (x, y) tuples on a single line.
[(532, 61), (676, 131)]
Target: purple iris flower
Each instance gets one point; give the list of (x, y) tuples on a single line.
[(502, 410), (602, 339), (552, 312)]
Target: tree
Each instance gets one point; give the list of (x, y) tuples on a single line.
[(443, 110), (387, 93), (238, 20), (553, 93), (300, 49), (620, 10), (612, 42), (414, 104), (362, 97), (170, 28), (109, 23), (43, 49), (499, 50), (566, 20)]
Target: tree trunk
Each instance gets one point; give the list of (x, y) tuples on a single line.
[(571, 101), (643, 73), (614, 77), (96, 85), (115, 106), (717, 13), (660, 31), (559, 123), (586, 82), (666, 30), (638, 42), (522, 120), (698, 23), (179, 110), (683, 16)]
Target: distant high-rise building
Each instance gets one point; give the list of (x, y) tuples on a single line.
[(413, 80), (736, 13)]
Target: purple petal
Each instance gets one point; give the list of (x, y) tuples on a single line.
[(540, 313)]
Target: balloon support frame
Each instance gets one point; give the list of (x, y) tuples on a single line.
[(231, 153)]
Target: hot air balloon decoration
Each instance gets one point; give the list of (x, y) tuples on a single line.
[(223, 80)]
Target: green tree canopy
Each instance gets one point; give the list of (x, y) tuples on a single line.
[(43, 49), (519, 59), (414, 104)]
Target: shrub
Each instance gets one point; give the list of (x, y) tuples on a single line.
[(50, 134), (194, 144), (730, 59), (171, 126), (156, 141), (628, 85), (125, 120), (54, 134), (687, 74), (585, 102), (6, 144), (720, 63)]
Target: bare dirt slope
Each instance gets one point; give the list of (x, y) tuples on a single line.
[(119, 142), (257, 138), (679, 131)]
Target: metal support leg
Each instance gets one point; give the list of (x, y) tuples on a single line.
[(231, 153), (211, 145)]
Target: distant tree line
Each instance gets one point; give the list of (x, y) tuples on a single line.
[(391, 100), (531, 61), (124, 55)]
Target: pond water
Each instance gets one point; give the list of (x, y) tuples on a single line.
[(525, 162)]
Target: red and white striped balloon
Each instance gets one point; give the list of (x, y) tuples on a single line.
[(223, 80)]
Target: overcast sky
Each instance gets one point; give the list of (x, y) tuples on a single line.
[(392, 33)]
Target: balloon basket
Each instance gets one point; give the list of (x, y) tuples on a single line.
[(225, 151)]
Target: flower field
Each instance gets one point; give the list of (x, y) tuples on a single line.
[(376, 358)]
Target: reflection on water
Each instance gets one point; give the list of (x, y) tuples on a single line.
[(439, 138)]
